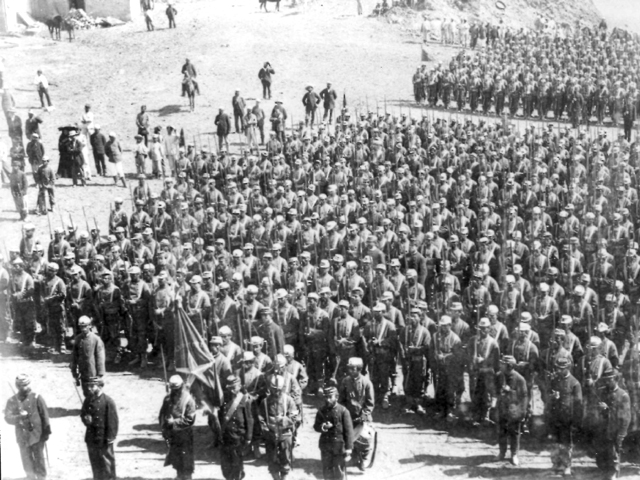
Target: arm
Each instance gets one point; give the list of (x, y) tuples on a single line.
[(347, 430), (100, 357), (112, 421), (44, 418)]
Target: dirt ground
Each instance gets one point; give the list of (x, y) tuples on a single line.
[(119, 69)]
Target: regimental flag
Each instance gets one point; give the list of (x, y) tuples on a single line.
[(194, 361)]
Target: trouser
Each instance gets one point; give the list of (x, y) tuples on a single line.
[(172, 22), (42, 198), (165, 337), (231, 461), (279, 455), (77, 172), (42, 93), (382, 368), (149, 22), (25, 321), (328, 113), (509, 431), (333, 464), (101, 167), (103, 461), (238, 120), (261, 128), (563, 444), (144, 133), (482, 390), (20, 202), (266, 90), (362, 443), (317, 361), (608, 457), (140, 164), (33, 460), (56, 328), (310, 117), (138, 335), (223, 142), (628, 125)]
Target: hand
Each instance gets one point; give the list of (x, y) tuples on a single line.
[(347, 455), (23, 413), (169, 422), (603, 406)]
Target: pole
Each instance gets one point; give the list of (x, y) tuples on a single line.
[(164, 370), (77, 392)]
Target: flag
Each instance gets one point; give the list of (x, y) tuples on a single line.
[(194, 360), (344, 99)]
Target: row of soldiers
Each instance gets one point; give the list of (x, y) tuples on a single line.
[(581, 76), (435, 246)]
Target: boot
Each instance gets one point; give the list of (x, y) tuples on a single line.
[(124, 183), (115, 180), (256, 450), (514, 459), (143, 362)]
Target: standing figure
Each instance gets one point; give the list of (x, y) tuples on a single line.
[(177, 415), (100, 415), (88, 361), (334, 424), (171, 14), (265, 78), (28, 412), (42, 86), (512, 407), (236, 425)]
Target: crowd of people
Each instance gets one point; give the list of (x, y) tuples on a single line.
[(373, 261), (590, 76)]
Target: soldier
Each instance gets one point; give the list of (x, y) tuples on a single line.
[(415, 340), (53, 297), (22, 302), (110, 311), (484, 357), (236, 425), (316, 332), (100, 415), (448, 364), (563, 411), (615, 408), (295, 368), (380, 336), (28, 411), (278, 414), (512, 407), (162, 315), (357, 395), (333, 422), (138, 302), (176, 418), (88, 360)]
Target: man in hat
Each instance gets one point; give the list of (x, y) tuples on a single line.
[(310, 100), (236, 423), (19, 185), (98, 143), (333, 422), (35, 153), (113, 149), (265, 78), (447, 365), (272, 333), (177, 415), (88, 360), (100, 415), (357, 395), (223, 129), (278, 415), (137, 298), (317, 332), (381, 338), (615, 414), (21, 290), (564, 414), (45, 180), (239, 105), (414, 350), (28, 411), (328, 96), (512, 407), (53, 294)]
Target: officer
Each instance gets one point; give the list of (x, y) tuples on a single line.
[(28, 412), (334, 424), (357, 395), (88, 360), (177, 415), (236, 424), (100, 415), (512, 407)]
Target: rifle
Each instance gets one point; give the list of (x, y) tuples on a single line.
[(241, 322), (164, 369), (84, 214), (50, 231)]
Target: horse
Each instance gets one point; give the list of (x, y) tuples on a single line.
[(189, 88), (263, 3), (69, 26), (54, 24)]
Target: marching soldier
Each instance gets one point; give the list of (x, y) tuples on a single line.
[(414, 344), (512, 407), (88, 360), (236, 425), (381, 338), (484, 357)]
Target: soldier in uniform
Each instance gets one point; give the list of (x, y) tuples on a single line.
[(176, 418), (100, 415), (278, 415), (615, 408), (333, 422), (236, 426), (88, 359), (53, 297), (563, 412), (21, 289), (316, 338), (356, 393), (484, 357), (512, 407), (162, 316), (28, 411), (137, 297), (414, 344), (110, 312), (381, 338)]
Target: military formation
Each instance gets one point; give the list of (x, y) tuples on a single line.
[(381, 261), (589, 77)]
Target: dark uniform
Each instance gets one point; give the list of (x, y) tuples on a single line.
[(512, 407), (336, 437), (236, 424), (100, 416)]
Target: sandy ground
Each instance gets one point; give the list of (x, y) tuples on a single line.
[(119, 69)]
